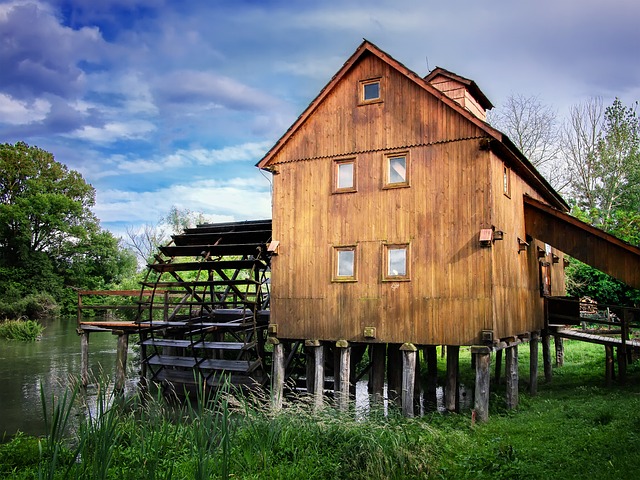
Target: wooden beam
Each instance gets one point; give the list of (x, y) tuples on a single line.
[(277, 375), (481, 400), (318, 376), (451, 395), (343, 370), (121, 361), (511, 367), (408, 377), (533, 364), (84, 357), (559, 344), (546, 356)]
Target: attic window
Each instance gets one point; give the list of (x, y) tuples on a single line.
[(344, 176), (396, 170), (370, 90), (396, 262), (506, 180), (344, 268)]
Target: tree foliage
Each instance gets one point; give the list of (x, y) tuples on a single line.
[(49, 238)]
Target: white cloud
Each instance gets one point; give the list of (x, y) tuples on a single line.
[(15, 112), (115, 131)]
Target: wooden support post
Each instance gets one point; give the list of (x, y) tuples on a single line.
[(84, 356), (409, 351), (376, 376), (277, 374), (417, 387), (394, 374), (608, 360), (451, 392), (343, 374), (498, 371), (621, 354), (533, 364), (431, 355), (483, 374), (315, 384), (559, 342), (511, 372), (121, 360), (546, 357)]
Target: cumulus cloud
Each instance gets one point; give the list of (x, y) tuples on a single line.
[(15, 112)]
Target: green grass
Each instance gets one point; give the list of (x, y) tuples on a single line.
[(574, 428), (22, 330)]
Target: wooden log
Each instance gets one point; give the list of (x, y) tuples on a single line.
[(546, 357), (451, 392), (559, 343), (498, 370), (408, 378), (277, 375), (344, 366), (84, 357), (121, 361), (533, 364), (608, 365), (511, 372), (394, 374), (483, 374), (431, 355), (376, 376)]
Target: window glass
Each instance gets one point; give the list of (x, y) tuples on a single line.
[(346, 263), (371, 91), (397, 262), (345, 175), (397, 170)]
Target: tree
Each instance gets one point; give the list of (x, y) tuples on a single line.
[(532, 127), (49, 238)]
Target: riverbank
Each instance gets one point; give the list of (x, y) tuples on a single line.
[(574, 428)]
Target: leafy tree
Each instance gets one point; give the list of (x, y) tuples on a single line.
[(50, 240)]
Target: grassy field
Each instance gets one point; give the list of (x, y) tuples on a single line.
[(574, 428)]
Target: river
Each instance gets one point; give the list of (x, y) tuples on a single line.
[(49, 362)]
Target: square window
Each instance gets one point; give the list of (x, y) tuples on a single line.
[(344, 176), (396, 171), (371, 91), (396, 262), (344, 269)]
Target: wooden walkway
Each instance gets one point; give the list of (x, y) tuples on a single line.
[(598, 338)]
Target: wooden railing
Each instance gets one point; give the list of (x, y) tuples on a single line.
[(133, 305)]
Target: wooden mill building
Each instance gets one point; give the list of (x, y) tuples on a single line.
[(399, 215)]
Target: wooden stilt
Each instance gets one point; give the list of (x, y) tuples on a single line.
[(343, 370), (376, 376), (431, 355), (394, 374), (559, 342), (451, 396), (318, 376), (546, 357), (533, 364), (608, 372), (121, 360), (277, 374), (84, 357), (483, 374), (408, 377), (498, 370), (621, 354), (511, 372)]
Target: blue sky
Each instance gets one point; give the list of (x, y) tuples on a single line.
[(160, 103)]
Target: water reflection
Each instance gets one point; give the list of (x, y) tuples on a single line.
[(52, 362)]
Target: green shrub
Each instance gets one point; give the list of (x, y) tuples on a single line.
[(23, 330), (35, 306)]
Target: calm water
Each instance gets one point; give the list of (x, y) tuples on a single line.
[(50, 362)]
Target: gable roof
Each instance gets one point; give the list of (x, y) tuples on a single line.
[(499, 143)]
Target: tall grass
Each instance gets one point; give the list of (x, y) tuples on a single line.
[(574, 428)]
